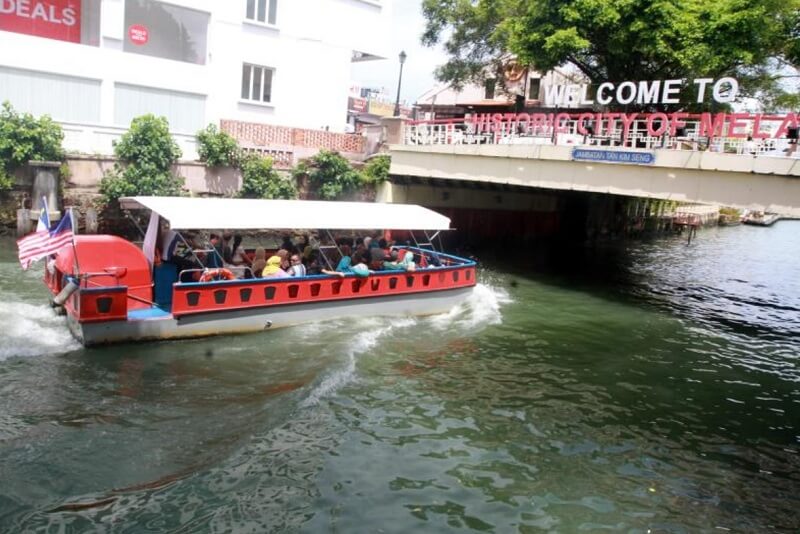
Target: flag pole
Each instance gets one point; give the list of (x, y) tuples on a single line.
[(76, 265)]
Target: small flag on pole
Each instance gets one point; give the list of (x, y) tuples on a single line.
[(44, 217), (42, 243)]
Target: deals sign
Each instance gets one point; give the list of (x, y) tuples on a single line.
[(53, 19)]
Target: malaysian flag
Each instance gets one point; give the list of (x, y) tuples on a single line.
[(42, 243)]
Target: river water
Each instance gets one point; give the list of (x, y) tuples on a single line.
[(640, 387)]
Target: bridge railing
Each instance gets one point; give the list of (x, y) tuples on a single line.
[(734, 137)]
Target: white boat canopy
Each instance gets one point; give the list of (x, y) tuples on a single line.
[(186, 213)]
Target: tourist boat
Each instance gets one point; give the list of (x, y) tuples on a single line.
[(760, 218), (110, 292)]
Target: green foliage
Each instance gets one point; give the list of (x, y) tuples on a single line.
[(330, 175), (217, 148), (377, 169), (145, 154), (261, 180), (24, 138), (732, 213), (615, 40)]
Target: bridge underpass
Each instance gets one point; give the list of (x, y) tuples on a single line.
[(743, 181), (503, 193)]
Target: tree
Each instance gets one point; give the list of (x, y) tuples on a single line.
[(261, 180), (218, 149), (330, 175), (24, 138), (616, 40), (145, 154)]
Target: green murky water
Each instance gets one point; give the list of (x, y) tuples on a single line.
[(644, 387)]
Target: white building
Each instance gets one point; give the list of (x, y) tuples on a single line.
[(94, 65)]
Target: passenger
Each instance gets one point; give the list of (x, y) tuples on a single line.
[(239, 254), (273, 268), (360, 269), (376, 258), (213, 259), (405, 264), (283, 254), (297, 268), (345, 265), (346, 260), (350, 265), (361, 253), (287, 244), (226, 248), (310, 249), (259, 261), (313, 267)]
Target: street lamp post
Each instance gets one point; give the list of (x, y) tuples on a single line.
[(399, 81)]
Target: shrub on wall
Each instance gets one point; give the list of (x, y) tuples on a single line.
[(145, 154), (218, 149), (261, 180), (330, 175), (377, 169), (24, 138)]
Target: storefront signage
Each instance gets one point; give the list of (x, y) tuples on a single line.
[(611, 156), (138, 34), (382, 109), (357, 105), (53, 19)]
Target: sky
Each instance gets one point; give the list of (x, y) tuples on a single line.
[(407, 27)]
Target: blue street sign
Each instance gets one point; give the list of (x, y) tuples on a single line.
[(613, 156)]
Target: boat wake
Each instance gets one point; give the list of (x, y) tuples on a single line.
[(372, 331), (483, 307), (33, 330)]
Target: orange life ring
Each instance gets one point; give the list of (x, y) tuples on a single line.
[(217, 274)]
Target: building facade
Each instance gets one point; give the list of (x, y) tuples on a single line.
[(93, 65), (523, 89)]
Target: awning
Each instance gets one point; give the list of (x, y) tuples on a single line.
[(185, 213)]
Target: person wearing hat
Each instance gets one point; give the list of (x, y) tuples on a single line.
[(273, 268)]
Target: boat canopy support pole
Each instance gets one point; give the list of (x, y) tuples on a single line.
[(322, 250)]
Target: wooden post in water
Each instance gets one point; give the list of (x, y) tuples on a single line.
[(91, 221), (23, 221)]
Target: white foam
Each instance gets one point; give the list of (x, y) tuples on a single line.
[(483, 307), (371, 331), (33, 330)]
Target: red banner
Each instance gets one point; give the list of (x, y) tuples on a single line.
[(53, 19), (358, 105)]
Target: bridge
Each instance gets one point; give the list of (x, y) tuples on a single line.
[(731, 168)]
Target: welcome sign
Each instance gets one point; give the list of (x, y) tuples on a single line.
[(610, 123), (723, 91)]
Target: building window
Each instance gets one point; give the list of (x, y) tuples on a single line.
[(534, 85), (265, 11), (489, 86), (257, 83), (163, 30)]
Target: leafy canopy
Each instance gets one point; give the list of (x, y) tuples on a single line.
[(145, 154), (330, 175), (217, 149), (617, 40), (24, 138), (261, 180)]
